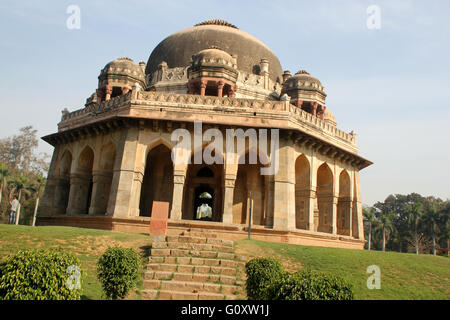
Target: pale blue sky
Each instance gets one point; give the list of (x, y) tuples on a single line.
[(390, 85)]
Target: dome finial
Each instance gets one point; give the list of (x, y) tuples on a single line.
[(218, 22)]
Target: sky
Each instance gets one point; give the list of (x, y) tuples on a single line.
[(389, 84)]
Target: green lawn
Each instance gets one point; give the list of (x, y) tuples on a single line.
[(403, 276), (87, 244)]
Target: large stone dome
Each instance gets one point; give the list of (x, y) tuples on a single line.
[(177, 49)]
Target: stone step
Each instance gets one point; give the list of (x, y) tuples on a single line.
[(192, 246), (191, 253), (200, 234), (194, 239), (193, 277), (152, 294), (195, 261), (188, 268), (190, 286)]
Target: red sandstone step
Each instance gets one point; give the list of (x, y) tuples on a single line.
[(190, 286), (195, 277), (193, 253), (192, 246), (192, 239), (152, 294)]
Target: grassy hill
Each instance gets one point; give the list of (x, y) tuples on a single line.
[(403, 276)]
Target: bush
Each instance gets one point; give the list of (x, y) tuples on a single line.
[(118, 269), (261, 274), (310, 285), (40, 275)]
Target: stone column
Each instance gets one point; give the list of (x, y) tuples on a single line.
[(179, 178), (230, 174), (284, 187), (228, 199), (47, 207), (310, 205), (61, 195), (108, 92), (79, 193), (358, 229), (334, 202), (220, 85), (126, 181), (100, 193), (203, 87)]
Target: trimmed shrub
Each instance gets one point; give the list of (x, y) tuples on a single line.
[(261, 274), (310, 285), (118, 269), (39, 274)]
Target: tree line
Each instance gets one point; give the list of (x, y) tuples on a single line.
[(408, 223), (22, 174)]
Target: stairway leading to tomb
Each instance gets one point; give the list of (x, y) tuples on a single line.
[(195, 265)]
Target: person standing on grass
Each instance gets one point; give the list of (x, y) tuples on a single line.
[(14, 207)]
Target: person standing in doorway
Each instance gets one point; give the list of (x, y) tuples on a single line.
[(14, 207)]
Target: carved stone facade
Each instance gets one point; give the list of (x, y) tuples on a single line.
[(113, 157)]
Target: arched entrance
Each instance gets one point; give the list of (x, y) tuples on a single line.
[(249, 180), (344, 205), (302, 192), (202, 179), (158, 180), (63, 186), (325, 198), (81, 184)]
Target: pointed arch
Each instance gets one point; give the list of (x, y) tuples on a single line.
[(250, 181), (198, 182), (302, 192), (344, 205), (157, 184), (62, 188), (325, 198)]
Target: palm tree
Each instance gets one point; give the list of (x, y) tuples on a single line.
[(4, 176), (39, 183), (415, 211), (431, 219), (385, 224), (370, 217), (21, 185)]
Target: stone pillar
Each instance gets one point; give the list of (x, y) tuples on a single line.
[(61, 195), (203, 87), (108, 92), (179, 178), (100, 193), (125, 90), (358, 228), (230, 181), (232, 92), (309, 206), (48, 199), (220, 86), (79, 194), (334, 202), (314, 106), (284, 187), (127, 179)]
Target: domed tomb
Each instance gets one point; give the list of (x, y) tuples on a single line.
[(177, 49)]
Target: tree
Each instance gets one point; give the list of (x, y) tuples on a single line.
[(370, 218), (431, 219), (385, 217), (4, 176), (37, 187), (18, 152), (21, 185), (415, 210)]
